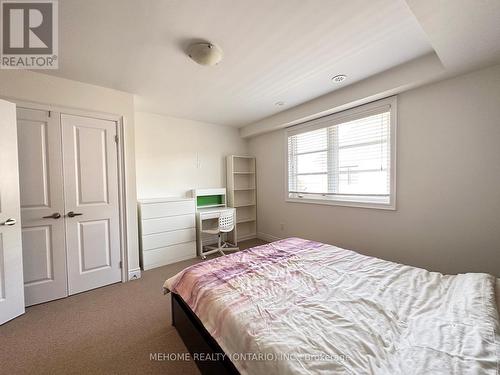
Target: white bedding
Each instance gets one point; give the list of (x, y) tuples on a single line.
[(498, 294), (312, 308)]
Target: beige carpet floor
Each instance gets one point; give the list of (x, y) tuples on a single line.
[(110, 330)]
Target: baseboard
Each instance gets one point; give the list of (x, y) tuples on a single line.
[(247, 237), (134, 274), (167, 262), (267, 237)]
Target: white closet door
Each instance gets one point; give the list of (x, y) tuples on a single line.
[(42, 205), (11, 261), (91, 196)]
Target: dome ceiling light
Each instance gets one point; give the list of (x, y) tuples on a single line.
[(207, 54)]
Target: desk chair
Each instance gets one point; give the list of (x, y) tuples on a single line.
[(226, 225)]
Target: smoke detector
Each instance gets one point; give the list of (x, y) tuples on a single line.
[(339, 78), (205, 53)]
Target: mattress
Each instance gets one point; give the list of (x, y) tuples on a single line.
[(302, 307)]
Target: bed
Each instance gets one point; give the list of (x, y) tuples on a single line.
[(304, 307)]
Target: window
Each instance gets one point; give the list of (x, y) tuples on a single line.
[(345, 159)]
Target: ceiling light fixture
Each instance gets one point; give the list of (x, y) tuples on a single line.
[(339, 78), (205, 53)]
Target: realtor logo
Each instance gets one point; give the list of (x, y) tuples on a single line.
[(29, 34)]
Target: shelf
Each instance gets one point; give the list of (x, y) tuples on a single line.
[(245, 220), (247, 229), (243, 172), (245, 204), (243, 189)]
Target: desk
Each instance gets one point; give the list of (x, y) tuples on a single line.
[(209, 213)]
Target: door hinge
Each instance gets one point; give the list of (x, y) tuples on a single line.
[(116, 138), (120, 264), (50, 114)]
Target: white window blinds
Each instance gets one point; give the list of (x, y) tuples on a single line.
[(342, 160)]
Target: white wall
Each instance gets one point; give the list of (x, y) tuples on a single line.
[(45, 89), (176, 155), (448, 184)]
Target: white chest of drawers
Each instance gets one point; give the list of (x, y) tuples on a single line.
[(167, 231)]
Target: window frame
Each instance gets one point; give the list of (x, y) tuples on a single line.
[(351, 114)]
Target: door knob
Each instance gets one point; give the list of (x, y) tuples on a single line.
[(55, 215), (73, 214), (9, 222)]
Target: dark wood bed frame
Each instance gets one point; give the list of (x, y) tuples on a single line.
[(198, 341)]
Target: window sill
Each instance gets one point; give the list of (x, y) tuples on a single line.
[(344, 203)]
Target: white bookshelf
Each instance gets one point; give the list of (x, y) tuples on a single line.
[(241, 194)]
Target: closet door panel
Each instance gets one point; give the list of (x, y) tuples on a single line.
[(33, 160), (38, 257), (94, 249), (91, 170), (41, 189), (91, 197)]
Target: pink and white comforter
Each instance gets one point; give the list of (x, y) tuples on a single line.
[(302, 307)]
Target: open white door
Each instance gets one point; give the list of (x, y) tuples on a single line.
[(11, 261)]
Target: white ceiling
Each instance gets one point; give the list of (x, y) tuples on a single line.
[(275, 50), (464, 33)]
